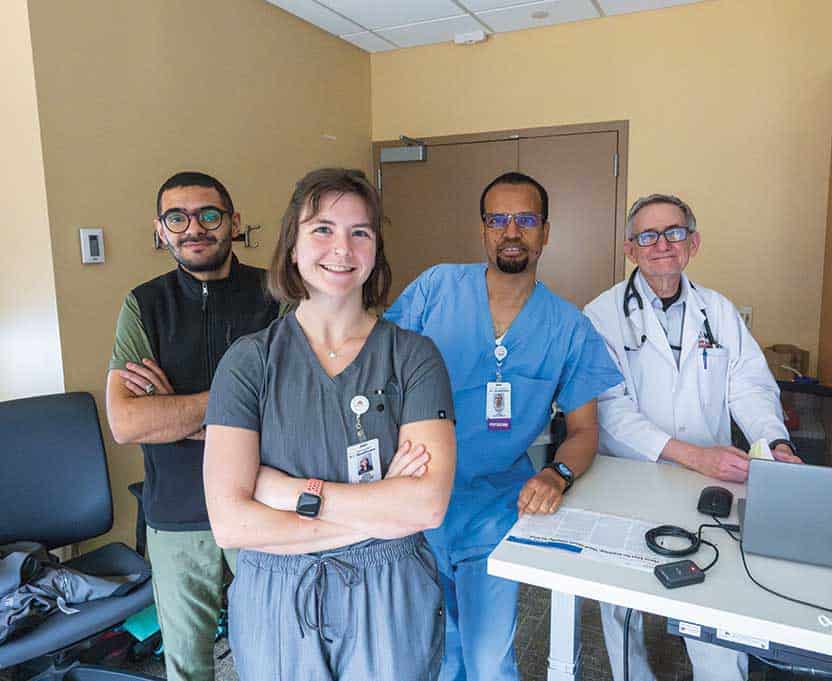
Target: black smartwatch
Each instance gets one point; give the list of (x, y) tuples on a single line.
[(309, 502), (782, 441), (563, 471)]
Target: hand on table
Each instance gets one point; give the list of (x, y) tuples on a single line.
[(542, 493), (723, 463), (784, 453)]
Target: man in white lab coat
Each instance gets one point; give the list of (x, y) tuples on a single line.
[(689, 366)]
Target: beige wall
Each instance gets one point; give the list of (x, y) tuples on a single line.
[(131, 92), (30, 351), (730, 106)]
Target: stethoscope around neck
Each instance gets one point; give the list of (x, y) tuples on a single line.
[(631, 293)]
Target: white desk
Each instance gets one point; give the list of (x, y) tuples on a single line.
[(727, 599)]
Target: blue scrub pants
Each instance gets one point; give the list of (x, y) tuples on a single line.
[(370, 612), (480, 620)]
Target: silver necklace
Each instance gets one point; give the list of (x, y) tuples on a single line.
[(332, 353)]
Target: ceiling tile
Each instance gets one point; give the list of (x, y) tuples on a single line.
[(429, 32), (485, 5), (521, 16), (625, 6), (369, 42), (386, 13), (315, 14)]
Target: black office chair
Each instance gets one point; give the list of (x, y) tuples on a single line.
[(55, 489)]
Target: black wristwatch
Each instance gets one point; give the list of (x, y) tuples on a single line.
[(309, 502), (563, 471), (782, 441)]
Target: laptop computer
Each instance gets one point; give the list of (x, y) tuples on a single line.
[(788, 512)]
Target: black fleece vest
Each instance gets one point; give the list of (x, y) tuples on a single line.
[(190, 324)]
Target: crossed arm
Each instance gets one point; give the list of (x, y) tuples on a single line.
[(136, 417), (253, 506)]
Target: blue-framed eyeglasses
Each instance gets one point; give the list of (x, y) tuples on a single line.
[(673, 234), (522, 220)]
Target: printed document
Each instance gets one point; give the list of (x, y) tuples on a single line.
[(596, 536)]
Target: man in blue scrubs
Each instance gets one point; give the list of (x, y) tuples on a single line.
[(512, 347)]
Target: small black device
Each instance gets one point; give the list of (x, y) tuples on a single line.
[(563, 471), (715, 501), (309, 505), (309, 502), (679, 573)]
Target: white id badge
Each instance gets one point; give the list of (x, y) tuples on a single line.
[(364, 462), (498, 405)]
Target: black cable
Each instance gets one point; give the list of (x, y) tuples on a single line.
[(794, 669), (776, 593), (729, 529), (716, 556), (653, 535), (626, 663)]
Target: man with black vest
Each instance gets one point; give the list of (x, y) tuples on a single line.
[(171, 333)]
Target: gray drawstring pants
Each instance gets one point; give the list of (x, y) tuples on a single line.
[(367, 611)]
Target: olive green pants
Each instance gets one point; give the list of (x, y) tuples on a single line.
[(187, 586)]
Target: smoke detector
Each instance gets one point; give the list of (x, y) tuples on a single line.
[(470, 38)]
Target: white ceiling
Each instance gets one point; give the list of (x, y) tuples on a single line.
[(381, 25)]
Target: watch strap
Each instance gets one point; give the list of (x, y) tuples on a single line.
[(568, 479), (314, 486), (783, 441)]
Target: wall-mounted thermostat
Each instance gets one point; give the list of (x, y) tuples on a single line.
[(92, 245)]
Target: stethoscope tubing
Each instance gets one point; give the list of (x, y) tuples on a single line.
[(631, 293)]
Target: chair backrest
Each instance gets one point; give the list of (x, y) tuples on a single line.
[(54, 485)]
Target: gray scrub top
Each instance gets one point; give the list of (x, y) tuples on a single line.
[(271, 382)]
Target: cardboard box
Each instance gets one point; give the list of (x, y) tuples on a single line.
[(789, 355)]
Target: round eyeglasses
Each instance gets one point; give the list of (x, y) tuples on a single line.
[(522, 220), (178, 221), (673, 234)]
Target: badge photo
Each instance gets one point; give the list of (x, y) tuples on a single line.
[(498, 405), (364, 461)]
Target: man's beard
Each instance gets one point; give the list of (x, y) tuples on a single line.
[(514, 265), (210, 265)]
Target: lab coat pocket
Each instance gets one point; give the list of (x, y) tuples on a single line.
[(712, 368)]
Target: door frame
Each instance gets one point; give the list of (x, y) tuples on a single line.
[(621, 128)]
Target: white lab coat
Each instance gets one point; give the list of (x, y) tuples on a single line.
[(694, 402)]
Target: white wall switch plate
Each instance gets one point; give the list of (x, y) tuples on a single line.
[(92, 245)]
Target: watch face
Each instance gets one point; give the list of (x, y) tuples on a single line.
[(564, 470), (309, 505)]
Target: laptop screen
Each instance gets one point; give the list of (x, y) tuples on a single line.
[(788, 512)]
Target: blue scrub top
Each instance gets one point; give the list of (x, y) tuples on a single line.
[(554, 353)]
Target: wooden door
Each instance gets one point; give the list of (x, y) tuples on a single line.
[(578, 171), (433, 205)]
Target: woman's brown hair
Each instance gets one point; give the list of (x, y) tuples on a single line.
[(285, 282)]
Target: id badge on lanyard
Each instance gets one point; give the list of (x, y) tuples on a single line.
[(363, 458), (498, 396)]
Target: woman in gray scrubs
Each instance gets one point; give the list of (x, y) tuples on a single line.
[(329, 448)]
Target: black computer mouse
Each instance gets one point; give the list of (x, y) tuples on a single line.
[(715, 501)]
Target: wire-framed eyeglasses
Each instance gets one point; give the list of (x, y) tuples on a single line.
[(177, 220), (522, 220), (673, 234)]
